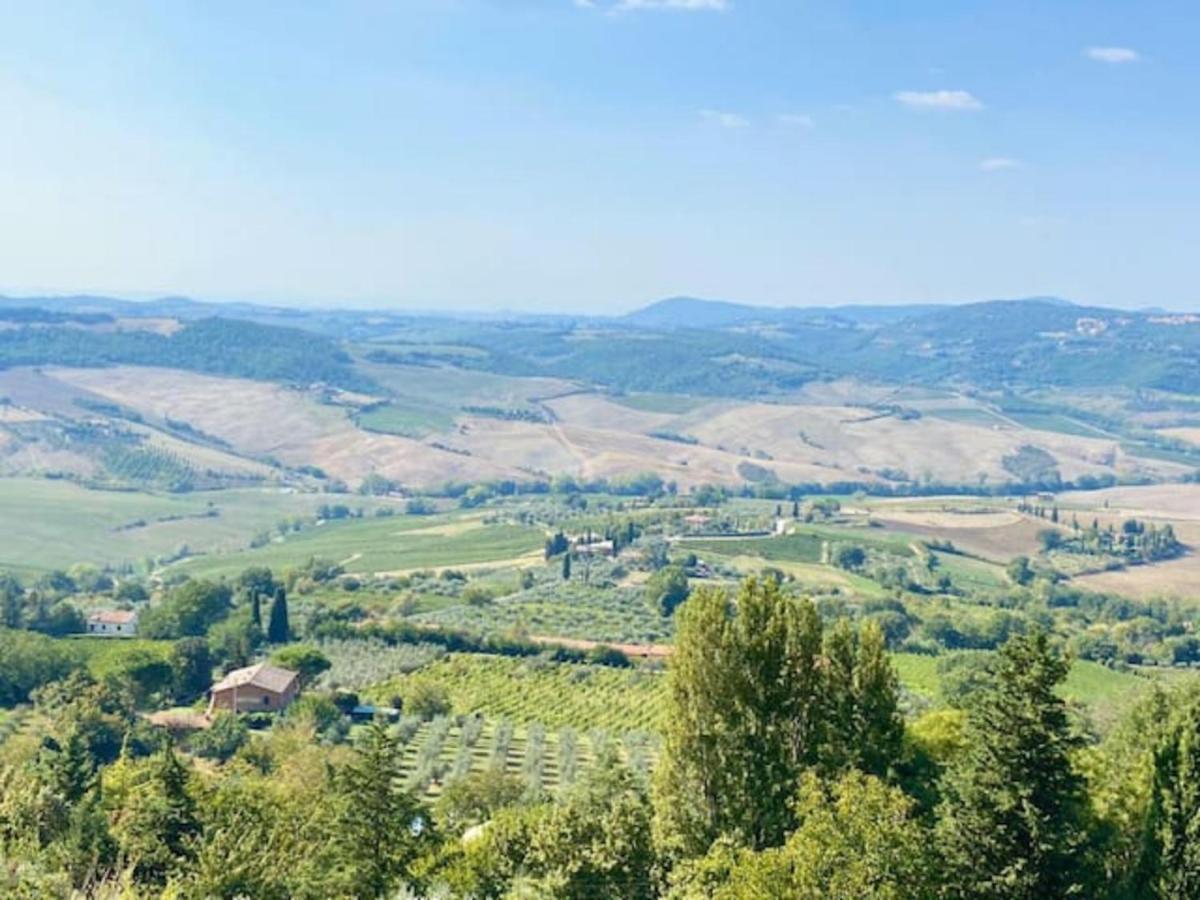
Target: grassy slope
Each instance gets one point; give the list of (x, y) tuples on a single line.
[(53, 524), (1105, 693), (382, 545)]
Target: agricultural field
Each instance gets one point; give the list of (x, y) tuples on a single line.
[(1105, 694), (52, 524), (423, 425), (544, 758), (386, 545), (407, 421), (534, 690)]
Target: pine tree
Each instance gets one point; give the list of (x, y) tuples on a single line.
[(277, 626), (1011, 822)]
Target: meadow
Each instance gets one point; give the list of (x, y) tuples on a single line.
[(390, 544), (52, 524)]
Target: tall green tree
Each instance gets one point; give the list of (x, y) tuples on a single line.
[(278, 629), (744, 718), (566, 566), (380, 822), (1011, 823), (857, 838), (1170, 864), (256, 609), (191, 668), (158, 828), (864, 729)]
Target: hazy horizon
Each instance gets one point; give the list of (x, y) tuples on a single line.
[(593, 156)]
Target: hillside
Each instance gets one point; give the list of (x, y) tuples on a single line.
[(166, 396)]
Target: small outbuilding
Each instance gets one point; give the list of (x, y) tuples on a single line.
[(260, 688), (113, 623)]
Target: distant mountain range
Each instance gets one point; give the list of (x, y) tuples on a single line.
[(684, 344), (692, 312)]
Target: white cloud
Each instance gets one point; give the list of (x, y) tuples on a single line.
[(999, 164), (1112, 55), (951, 100), (724, 119), (795, 119)]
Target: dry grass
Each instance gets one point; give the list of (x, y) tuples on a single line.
[(1172, 578), (592, 437)]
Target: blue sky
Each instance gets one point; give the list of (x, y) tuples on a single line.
[(573, 155)]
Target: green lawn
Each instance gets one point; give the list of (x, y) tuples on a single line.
[(382, 545)]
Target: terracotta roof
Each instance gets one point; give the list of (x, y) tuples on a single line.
[(113, 617), (267, 677)]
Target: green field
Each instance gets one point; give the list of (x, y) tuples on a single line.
[(406, 420), (388, 544), (1106, 693), (802, 546), (970, 573), (50, 524), (533, 690)]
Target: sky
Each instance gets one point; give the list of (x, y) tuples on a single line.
[(597, 155)]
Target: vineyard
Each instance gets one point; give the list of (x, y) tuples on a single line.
[(536, 690), (439, 752)]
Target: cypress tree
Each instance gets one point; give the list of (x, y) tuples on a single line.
[(256, 609), (566, 568), (378, 816), (1171, 852), (277, 627), (1012, 819)]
